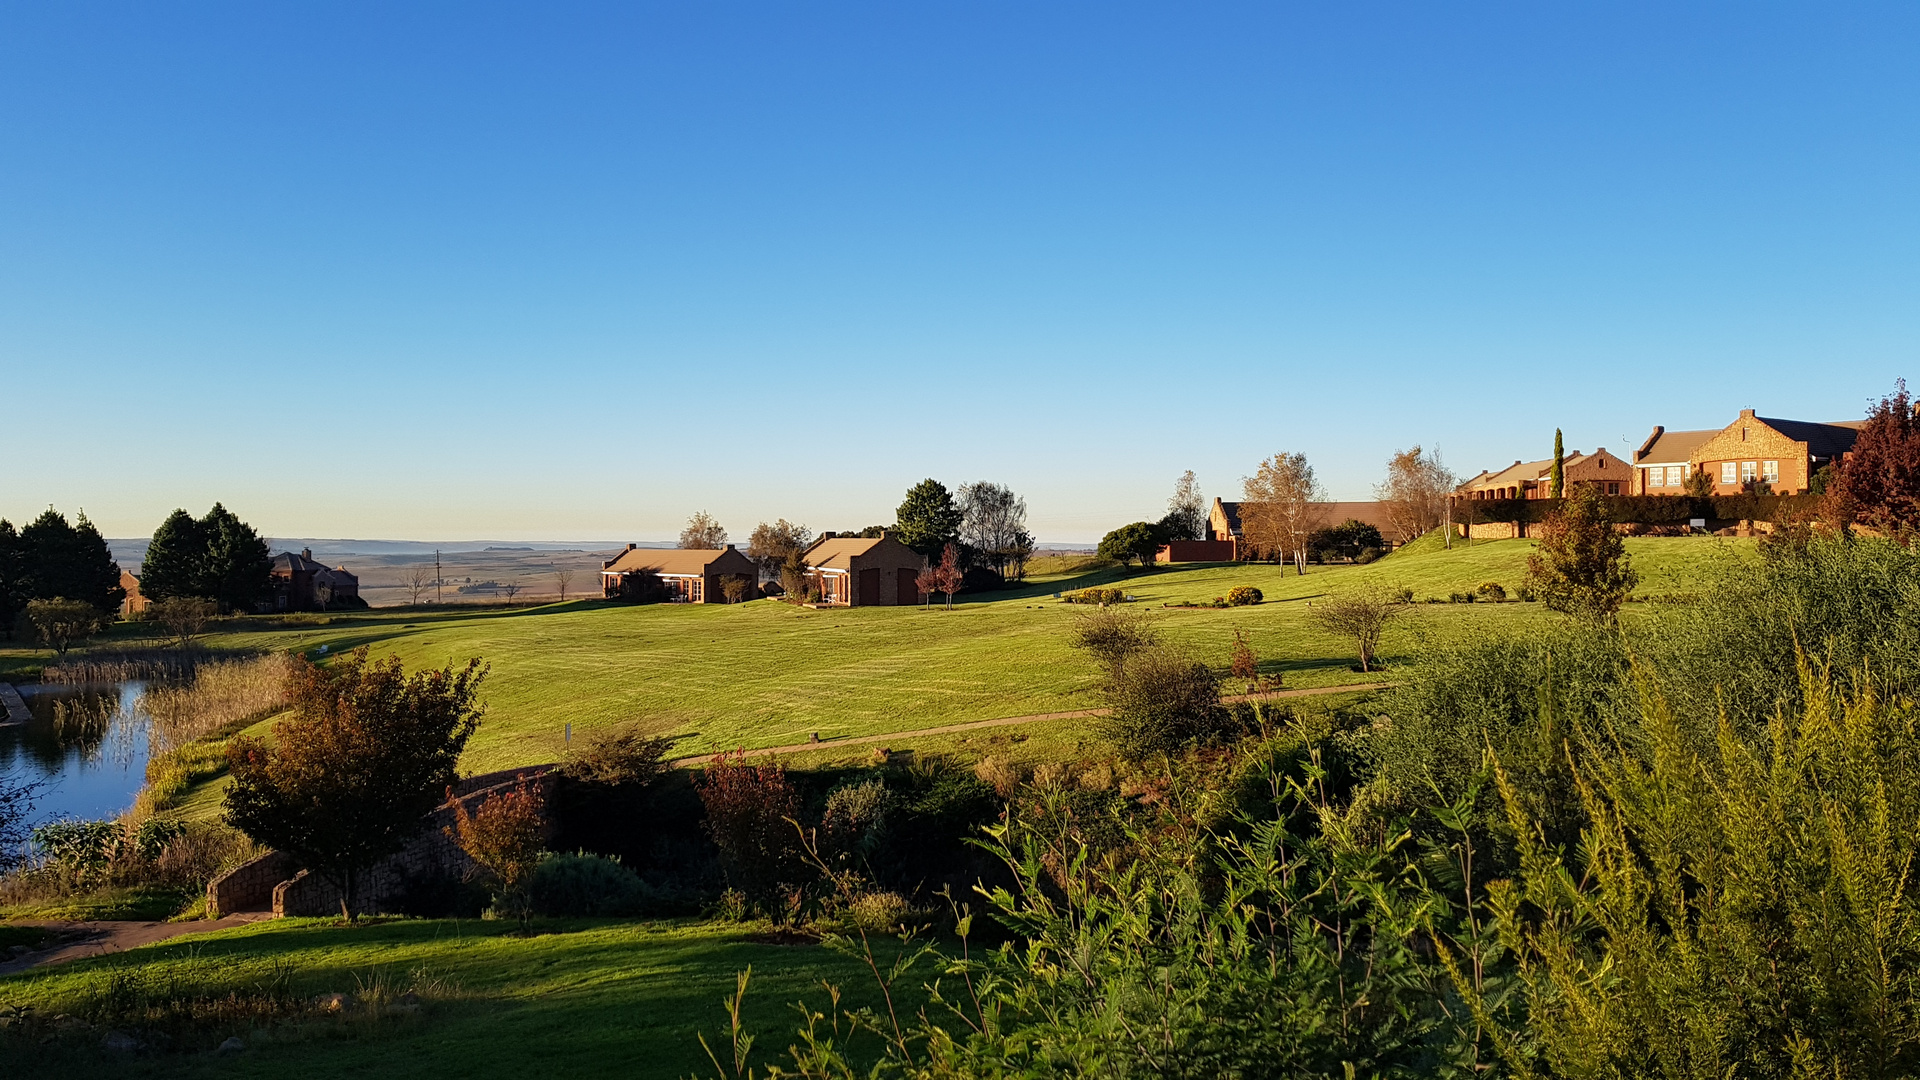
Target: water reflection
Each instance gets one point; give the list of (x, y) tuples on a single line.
[(88, 743)]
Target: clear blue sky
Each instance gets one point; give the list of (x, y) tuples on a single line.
[(563, 271)]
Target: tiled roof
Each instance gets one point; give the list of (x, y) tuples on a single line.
[(1670, 447), (665, 560), (1823, 440)]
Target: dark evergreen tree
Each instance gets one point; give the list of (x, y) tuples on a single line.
[(928, 520), (13, 573), (70, 561), (238, 566), (176, 560), (218, 558)]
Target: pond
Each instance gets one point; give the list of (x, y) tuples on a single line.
[(87, 744)]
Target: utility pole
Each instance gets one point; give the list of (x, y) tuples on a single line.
[(436, 575)]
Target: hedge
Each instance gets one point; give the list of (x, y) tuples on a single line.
[(1646, 509)]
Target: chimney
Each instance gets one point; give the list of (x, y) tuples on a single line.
[(1746, 414), (630, 547), (307, 554)]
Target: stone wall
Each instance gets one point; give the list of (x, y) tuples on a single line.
[(276, 881)]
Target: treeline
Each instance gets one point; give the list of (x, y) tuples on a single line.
[(1649, 509), (217, 557), (54, 559)]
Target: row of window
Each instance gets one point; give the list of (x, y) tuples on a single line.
[(1731, 472)]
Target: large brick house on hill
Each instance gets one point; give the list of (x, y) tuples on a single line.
[(1783, 453), (299, 582), (1608, 474)]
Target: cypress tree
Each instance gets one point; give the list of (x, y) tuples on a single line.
[(70, 561), (176, 560), (1559, 465)]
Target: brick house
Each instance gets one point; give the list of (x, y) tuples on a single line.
[(859, 571), (1608, 475), (1223, 527), (1661, 465), (1784, 453), (676, 575), (136, 602), (299, 582)]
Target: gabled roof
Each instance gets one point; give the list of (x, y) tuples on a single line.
[(689, 561), (837, 553), (1231, 511), (1823, 440), (1665, 447), (297, 563)]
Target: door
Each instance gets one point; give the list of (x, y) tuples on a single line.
[(870, 587), (909, 592)]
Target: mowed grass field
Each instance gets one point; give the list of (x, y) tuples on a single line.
[(767, 673), (578, 999)]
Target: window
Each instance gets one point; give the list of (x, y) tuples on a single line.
[(1748, 470), (1726, 473), (1613, 488), (1676, 475), (1654, 477), (1771, 471)]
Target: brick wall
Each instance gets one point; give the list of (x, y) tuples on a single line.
[(1750, 439)]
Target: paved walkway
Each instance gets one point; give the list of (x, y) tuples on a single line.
[(1009, 721), (13, 710), (79, 940)]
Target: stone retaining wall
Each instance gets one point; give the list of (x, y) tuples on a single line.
[(275, 880)]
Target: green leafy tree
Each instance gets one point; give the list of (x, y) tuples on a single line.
[(1140, 540), (60, 623), (1581, 567), (70, 561), (1558, 480), (928, 520), (351, 775)]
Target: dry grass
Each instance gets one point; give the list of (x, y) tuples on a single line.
[(122, 665), (222, 695)]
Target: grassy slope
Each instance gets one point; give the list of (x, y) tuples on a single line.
[(608, 999), (767, 673)]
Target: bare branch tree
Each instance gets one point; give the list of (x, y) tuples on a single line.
[(1361, 615), (993, 521), (1279, 510), (703, 532), (1415, 492), (417, 581), (511, 588), (1186, 511), (563, 577)]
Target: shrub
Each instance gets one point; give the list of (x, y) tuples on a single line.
[(1001, 775), (1361, 615), (1161, 703), (1492, 591), (1245, 665), (1244, 595), (1097, 596), (1113, 636), (1368, 555), (505, 836), (619, 756), (877, 911), (750, 815), (854, 823), (581, 884)]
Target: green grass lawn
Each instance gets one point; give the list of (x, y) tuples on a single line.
[(612, 999), (767, 673)]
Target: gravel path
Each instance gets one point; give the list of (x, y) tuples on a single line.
[(1009, 721), (78, 940)]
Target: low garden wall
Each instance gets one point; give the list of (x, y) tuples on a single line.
[(276, 880)]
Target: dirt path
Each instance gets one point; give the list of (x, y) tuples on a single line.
[(1009, 721), (78, 940)]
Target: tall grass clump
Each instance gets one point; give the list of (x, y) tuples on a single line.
[(224, 694)]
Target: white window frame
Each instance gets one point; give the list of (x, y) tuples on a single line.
[(1656, 477), (1770, 470), (1728, 470), (1676, 476), (1749, 470)]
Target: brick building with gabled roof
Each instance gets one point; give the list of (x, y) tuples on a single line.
[(681, 575), (1608, 474), (858, 571), (1783, 453)]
